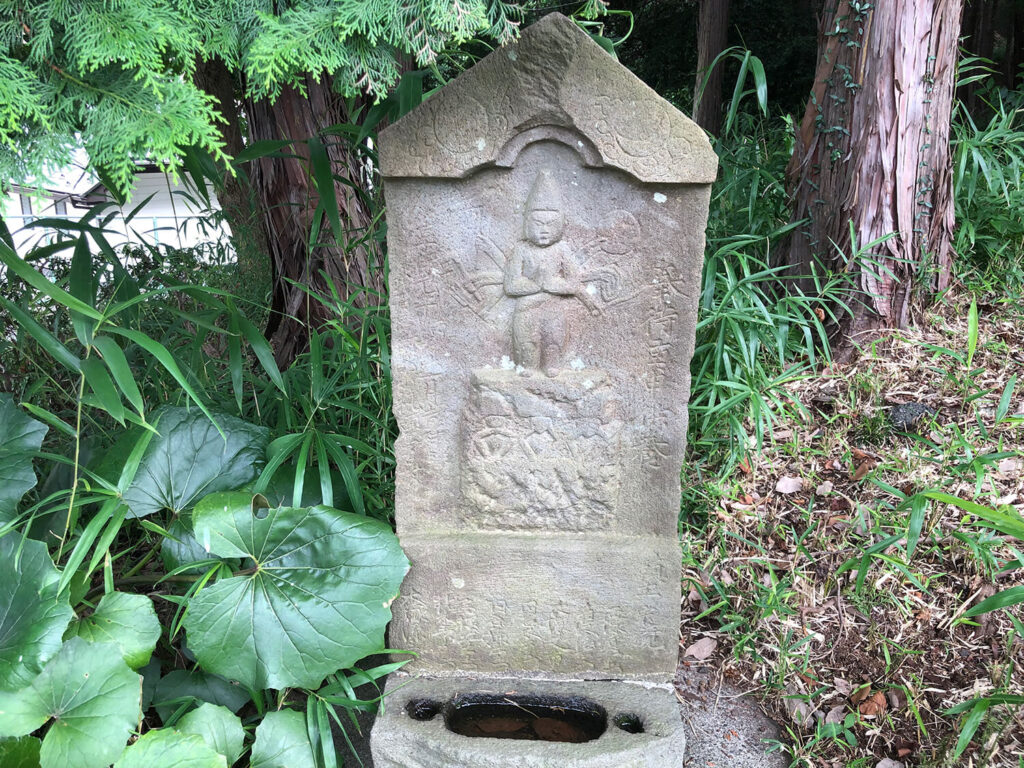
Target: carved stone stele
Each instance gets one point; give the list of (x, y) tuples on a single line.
[(546, 216)]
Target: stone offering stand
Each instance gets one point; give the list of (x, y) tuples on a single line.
[(546, 215)]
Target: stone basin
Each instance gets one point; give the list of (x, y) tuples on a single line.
[(527, 724)]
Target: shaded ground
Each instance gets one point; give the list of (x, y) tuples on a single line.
[(861, 652), (724, 727)]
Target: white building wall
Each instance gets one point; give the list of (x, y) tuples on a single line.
[(171, 216)]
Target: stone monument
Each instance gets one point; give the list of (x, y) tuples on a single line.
[(546, 215)]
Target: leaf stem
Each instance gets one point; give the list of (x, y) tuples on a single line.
[(78, 448)]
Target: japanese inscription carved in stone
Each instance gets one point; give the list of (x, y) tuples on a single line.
[(546, 217)]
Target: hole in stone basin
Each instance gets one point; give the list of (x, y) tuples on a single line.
[(571, 719), (423, 709), (629, 723)]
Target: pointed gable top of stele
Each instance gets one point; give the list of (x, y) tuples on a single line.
[(554, 83)]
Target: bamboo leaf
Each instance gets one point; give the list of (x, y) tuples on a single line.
[(157, 350), (323, 177), (970, 726), (117, 363), (46, 340), (1004, 599), (82, 288), (99, 381), (15, 264)]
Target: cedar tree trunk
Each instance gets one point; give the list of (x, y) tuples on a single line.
[(237, 201), (712, 34), (873, 151), (288, 200)]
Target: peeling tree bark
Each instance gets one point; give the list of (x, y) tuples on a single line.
[(288, 199), (873, 149), (712, 36)]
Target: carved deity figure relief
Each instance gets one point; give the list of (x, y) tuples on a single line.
[(542, 276)]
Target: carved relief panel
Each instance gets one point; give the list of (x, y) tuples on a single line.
[(545, 287)]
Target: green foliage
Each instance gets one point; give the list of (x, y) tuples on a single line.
[(753, 336), (189, 459), (34, 616), (20, 438), (127, 621), (20, 753), (180, 688), (988, 186), (92, 697), (166, 748), (152, 389), (218, 727), (316, 599), (118, 76), (282, 742)]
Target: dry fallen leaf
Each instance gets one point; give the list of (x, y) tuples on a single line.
[(824, 489), (1011, 467), (875, 705), (789, 484), (897, 699), (860, 694), (836, 715), (842, 686), (863, 468), (702, 649), (800, 711)]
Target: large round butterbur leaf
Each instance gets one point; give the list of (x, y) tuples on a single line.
[(181, 548), (170, 748), (190, 687), (282, 741), (91, 696), (20, 753), (190, 458), (218, 727), (127, 621), (32, 617), (20, 438), (317, 599)]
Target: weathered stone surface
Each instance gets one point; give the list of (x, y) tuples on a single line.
[(546, 216), (554, 83), (399, 741), (549, 606)]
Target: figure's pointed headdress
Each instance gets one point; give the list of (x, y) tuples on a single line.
[(544, 195)]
